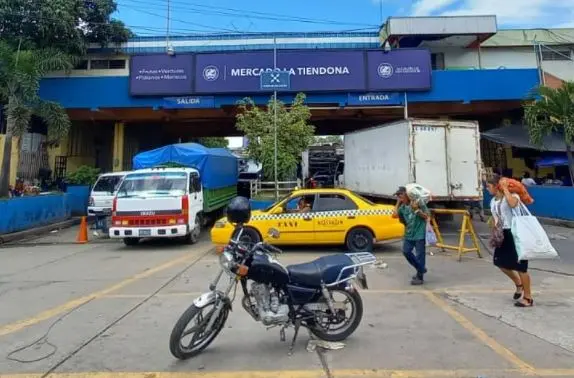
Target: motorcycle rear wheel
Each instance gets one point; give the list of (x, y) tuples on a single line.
[(356, 302), (205, 337)]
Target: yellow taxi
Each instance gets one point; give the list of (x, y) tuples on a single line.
[(318, 216)]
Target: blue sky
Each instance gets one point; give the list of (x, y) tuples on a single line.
[(148, 17)]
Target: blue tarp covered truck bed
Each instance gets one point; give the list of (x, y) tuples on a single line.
[(217, 166)]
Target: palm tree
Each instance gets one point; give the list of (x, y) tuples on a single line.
[(553, 112), (20, 75)]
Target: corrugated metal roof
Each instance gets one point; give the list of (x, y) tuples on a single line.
[(526, 37), (251, 41)]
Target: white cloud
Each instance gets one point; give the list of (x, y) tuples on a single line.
[(428, 7), (509, 12)]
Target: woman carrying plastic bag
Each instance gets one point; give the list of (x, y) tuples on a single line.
[(505, 253), (530, 239)]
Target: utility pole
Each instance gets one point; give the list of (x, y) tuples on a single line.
[(275, 120)]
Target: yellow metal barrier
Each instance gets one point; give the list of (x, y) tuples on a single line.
[(466, 228)]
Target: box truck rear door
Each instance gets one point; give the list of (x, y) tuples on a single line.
[(464, 153), (429, 157)]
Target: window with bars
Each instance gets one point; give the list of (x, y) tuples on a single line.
[(107, 64)]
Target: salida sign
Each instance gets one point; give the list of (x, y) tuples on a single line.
[(310, 70)]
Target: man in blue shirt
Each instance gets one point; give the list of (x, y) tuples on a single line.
[(414, 215)]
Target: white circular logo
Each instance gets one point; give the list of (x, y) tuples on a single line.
[(211, 73), (385, 70)]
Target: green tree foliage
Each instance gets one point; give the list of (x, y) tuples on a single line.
[(294, 134), (65, 25), (213, 142), (20, 75), (552, 112), (84, 175), (328, 139)]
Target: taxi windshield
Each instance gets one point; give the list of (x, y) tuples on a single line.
[(276, 203)]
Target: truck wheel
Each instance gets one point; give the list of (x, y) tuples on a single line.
[(360, 240), (193, 235), (131, 241)]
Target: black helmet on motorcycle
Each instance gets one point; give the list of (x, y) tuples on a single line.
[(239, 210)]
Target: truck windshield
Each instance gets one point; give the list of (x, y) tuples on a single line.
[(154, 184)]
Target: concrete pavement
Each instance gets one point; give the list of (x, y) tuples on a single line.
[(104, 310)]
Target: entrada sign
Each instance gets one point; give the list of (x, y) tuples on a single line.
[(309, 71)]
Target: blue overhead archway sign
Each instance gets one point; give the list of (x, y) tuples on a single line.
[(275, 80)]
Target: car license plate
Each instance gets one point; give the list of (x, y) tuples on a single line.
[(144, 232)]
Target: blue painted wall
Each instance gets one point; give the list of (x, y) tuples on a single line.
[(463, 85), (28, 212), (78, 197), (549, 202)]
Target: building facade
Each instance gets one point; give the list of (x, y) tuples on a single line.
[(351, 79)]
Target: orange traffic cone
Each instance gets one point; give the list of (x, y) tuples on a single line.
[(83, 233)]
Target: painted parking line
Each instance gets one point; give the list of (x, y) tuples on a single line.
[(367, 292), (366, 373), (502, 351), (68, 306)]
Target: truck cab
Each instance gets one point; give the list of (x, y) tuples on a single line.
[(158, 203)]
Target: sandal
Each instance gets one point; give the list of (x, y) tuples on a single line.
[(518, 293), (526, 302)]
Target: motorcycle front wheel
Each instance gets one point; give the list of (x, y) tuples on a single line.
[(337, 327), (192, 324)]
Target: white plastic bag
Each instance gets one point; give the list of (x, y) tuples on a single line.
[(430, 235), (417, 192), (530, 239)]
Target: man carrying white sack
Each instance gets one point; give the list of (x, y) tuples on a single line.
[(414, 215)]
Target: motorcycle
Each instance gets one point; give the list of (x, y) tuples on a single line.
[(300, 295)]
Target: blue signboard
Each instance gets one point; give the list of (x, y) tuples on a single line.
[(309, 71), (366, 99), (275, 80), (188, 102)]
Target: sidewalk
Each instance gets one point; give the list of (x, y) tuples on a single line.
[(38, 232)]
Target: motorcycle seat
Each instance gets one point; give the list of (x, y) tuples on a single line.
[(324, 269)]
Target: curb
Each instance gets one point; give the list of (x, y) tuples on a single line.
[(37, 231), (547, 221)]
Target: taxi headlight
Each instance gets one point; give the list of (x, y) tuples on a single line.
[(226, 260)]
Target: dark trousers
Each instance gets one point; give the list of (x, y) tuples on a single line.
[(102, 223), (417, 259)]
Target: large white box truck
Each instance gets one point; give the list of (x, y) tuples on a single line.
[(441, 155)]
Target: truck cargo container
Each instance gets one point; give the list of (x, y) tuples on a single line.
[(441, 155)]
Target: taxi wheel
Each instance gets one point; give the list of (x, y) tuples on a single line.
[(360, 240), (249, 236)]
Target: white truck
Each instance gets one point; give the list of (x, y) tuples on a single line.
[(174, 199), (441, 155)]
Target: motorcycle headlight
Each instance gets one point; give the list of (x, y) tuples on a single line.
[(226, 260)]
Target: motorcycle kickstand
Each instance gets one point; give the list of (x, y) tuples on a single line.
[(292, 346)]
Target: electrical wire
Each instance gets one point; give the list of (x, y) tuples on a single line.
[(125, 315), (43, 340), (187, 7)]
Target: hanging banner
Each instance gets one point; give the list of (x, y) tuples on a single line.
[(399, 70), (310, 70), (161, 75)]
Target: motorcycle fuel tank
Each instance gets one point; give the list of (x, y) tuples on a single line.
[(267, 270)]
